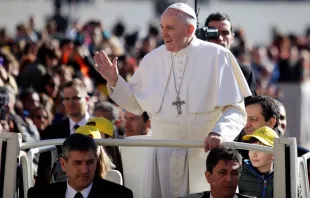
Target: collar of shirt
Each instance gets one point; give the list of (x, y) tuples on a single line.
[(184, 51), (80, 123), (70, 192)]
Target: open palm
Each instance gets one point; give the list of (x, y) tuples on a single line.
[(107, 69)]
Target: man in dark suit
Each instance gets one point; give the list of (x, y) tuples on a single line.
[(79, 161), (222, 22), (223, 173), (75, 100)]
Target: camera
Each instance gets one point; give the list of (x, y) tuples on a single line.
[(3, 113), (207, 33)]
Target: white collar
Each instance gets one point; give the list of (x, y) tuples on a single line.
[(82, 122), (182, 52), (70, 192), (185, 50)]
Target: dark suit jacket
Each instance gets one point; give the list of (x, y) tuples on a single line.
[(249, 76), (55, 131), (100, 188), (207, 195)]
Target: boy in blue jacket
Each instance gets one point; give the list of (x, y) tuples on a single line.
[(257, 173)]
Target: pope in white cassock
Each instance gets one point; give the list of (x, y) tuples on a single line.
[(192, 90)]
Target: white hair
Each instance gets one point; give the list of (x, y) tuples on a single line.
[(188, 20)]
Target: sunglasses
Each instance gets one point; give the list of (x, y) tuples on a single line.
[(51, 84), (40, 117), (74, 99)]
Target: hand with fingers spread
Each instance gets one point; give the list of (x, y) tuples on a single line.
[(212, 141), (107, 69)]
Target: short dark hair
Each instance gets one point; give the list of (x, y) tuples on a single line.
[(253, 140), (222, 153), (145, 117), (77, 84), (26, 92), (269, 107), (218, 16), (78, 142)]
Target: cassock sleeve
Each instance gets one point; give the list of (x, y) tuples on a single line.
[(231, 122), (123, 95), (233, 117)]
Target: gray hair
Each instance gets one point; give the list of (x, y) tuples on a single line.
[(280, 104), (7, 95), (188, 19), (109, 107), (78, 142)]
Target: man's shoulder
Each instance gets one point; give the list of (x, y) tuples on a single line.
[(243, 196), (198, 195), (206, 194), (52, 130), (49, 190), (239, 137), (60, 123), (101, 182), (245, 68), (111, 187)]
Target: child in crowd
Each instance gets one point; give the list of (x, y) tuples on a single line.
[(257, 173)]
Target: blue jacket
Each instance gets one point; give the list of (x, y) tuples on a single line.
[(253, 183)]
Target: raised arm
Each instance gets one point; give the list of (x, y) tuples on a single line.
[(121, 91)]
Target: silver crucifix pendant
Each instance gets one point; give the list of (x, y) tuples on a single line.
[(178, 103)]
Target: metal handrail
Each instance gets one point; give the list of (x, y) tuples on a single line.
[(306, 155), (150, 143), (26, 178), (34, 151), (301, 169), (305, 158)]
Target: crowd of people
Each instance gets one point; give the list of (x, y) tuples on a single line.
[(52, 86)]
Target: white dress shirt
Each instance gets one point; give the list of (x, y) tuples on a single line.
[(80, 123), (70, 192)]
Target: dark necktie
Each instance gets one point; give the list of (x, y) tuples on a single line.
[(78, 195), (76, 126)]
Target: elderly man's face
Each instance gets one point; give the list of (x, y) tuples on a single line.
[(224, 178), (174, 30)]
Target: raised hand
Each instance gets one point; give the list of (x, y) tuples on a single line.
[(107, 69)]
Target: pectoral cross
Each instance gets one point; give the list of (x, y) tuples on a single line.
[(178, 103)]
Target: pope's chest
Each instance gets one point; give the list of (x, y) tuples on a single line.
[(178, 71)]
